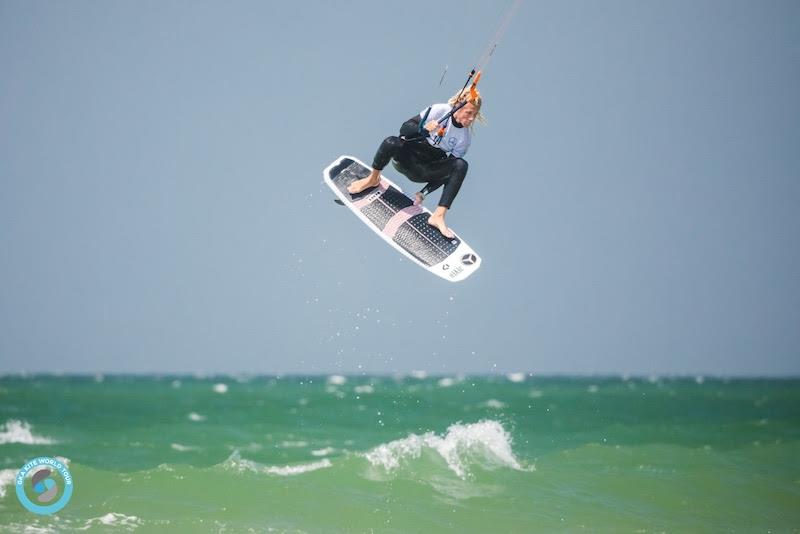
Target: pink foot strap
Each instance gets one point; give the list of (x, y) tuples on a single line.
[(399, 218)]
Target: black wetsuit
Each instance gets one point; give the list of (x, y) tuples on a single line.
[(422, 162)]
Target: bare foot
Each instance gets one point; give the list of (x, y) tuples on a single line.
[(418, 198), (437, 222), (365, 183)]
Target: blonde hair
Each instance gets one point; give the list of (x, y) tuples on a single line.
[(466, 96)]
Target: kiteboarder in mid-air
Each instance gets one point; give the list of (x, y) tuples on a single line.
[(431, 146), (430, 149)]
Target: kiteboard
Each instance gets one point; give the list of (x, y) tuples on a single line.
[(391, 214)]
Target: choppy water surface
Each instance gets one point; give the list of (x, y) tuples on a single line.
[(407, 454)]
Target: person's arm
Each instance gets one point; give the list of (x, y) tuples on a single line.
[(411, 128)]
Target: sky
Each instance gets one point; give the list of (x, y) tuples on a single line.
[(634, 195)]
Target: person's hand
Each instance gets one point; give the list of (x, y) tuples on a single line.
[(431, 125)]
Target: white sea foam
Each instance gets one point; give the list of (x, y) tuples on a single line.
[(516, 377), (293, 444), (446, 382), (486, 443), (183, 448), (323, 452), (14, 431), (495, 404), (364, 389), (6, 479), (220, 388), (289, 470), (196, 417), (28, 528), (336, 380), (419, 375), (113, 519), (237, 463)]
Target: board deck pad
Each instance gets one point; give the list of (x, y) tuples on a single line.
[(393, 216)]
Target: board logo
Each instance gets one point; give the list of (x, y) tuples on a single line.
[(469, 259), (375, 194), (456, 271), (48, 482)]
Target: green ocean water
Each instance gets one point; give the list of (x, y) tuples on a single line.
[(406, 454)]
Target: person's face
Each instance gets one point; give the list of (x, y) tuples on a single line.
[(467, 114)]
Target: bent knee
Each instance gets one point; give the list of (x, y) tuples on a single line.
[(460, 166), (393, 141)]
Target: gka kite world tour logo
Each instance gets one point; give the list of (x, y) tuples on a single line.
[(44, 485)]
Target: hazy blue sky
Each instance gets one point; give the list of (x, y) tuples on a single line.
[(635, 196)]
